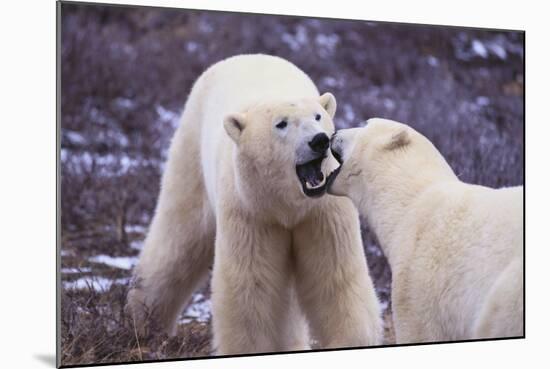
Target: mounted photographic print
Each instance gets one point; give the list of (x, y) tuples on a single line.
[(244, 184)]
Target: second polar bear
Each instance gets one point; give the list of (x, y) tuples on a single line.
[(455, 249), (249, 156)]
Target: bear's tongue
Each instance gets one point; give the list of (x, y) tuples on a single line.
[(311, 172)]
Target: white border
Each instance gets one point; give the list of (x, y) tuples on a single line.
[(28, 182)]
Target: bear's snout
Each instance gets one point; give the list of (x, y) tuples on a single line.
[(319, 143)]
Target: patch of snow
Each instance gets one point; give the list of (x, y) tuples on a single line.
[(498, 46), (64, 154), (191, 46), (389, 104), (99, 284), (482, 101), (433, 61), (135, 228), (76, 270), (514, 48), (374, 250), (97, 116), (330, 81), (479, 48), (106, 164), (75, 137), (288, 39), (66, 252), (125, 103), (497, 49), (199, 310), (136, 244), (113, 136), (327, 43), (349, 115), (297, 40), (384, 305), (121, 262), (125, 161), (168, 116)]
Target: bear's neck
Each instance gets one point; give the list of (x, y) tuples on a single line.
[(272, 199), (392, 196)]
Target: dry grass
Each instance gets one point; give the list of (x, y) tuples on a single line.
[(96, 329)]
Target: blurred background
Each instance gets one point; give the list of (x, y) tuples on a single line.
[(125, 75)]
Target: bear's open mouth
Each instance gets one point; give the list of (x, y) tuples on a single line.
[(311, 176)]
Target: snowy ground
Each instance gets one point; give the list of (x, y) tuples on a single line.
[(84, 278)]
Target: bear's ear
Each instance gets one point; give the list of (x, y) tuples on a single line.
[(328, 102), (399, 139), (234, 125)]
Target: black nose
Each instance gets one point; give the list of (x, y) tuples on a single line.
[(319, 143)]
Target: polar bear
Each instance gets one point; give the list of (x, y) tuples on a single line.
[(242, 189), (455, 249)]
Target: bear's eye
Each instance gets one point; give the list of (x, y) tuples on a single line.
[(318, 117), (282, 124)]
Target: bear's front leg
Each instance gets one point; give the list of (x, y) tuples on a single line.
[(250, 285), (334, 286)]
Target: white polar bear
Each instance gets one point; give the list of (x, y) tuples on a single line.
[(242, 199), (455, 249)]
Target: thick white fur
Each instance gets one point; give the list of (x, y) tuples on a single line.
[(455, 249), (285, 265)]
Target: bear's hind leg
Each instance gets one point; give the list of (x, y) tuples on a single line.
[(179, 248)]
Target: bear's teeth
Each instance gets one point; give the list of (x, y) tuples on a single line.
[(329, 164), (310, 186)]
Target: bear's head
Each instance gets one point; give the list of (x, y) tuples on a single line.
[(381, 157), (285, 145)]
